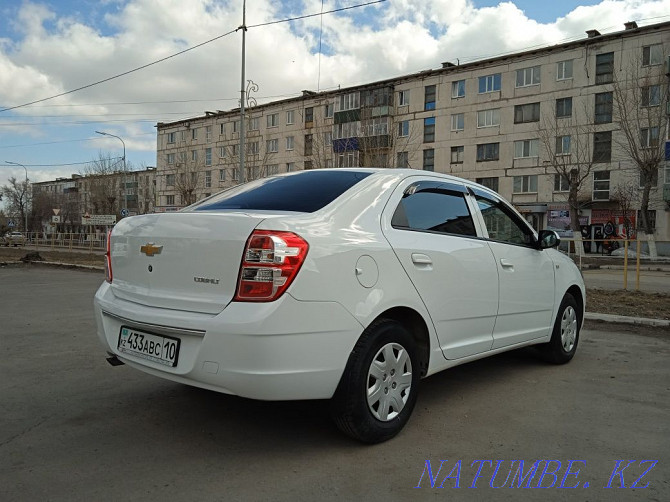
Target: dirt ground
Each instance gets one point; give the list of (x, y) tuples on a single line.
[(618, 302)]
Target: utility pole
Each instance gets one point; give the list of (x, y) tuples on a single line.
[(125, 170), (242, 97)]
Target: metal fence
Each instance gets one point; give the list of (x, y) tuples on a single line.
[(67, 241)]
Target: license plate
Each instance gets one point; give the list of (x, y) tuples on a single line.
[(157, 348)]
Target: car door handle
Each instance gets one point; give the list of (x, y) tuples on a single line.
[(421, 259), (506, 264)]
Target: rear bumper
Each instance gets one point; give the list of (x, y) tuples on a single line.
[(283, 350)]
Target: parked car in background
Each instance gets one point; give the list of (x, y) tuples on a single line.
[(14, 239), (343, 284)]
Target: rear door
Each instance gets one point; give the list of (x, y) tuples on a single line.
[(526, 294), (429, 226)]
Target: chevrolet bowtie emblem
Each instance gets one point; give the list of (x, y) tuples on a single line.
[(149, 249)]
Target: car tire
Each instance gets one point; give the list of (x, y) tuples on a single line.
[(565, 336), (379, 387)]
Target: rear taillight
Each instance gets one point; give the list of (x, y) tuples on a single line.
[(108, 258), (270, 262)]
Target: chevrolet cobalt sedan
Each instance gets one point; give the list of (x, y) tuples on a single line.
[(343, 284)]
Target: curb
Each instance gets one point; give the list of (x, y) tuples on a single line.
[(640, 321)]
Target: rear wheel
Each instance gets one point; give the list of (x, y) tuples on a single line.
[(379, 388), (565, 337)]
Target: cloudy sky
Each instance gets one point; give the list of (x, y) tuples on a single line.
[(51, 47)]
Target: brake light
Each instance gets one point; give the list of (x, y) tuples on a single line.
[(270, 262), (108, 259)]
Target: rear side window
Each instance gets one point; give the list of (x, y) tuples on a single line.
[(433, 207), (303, 192)]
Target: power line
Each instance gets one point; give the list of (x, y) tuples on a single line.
[(183, 52), (70, 163)]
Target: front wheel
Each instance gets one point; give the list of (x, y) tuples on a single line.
[(378, 390), (565, 336)]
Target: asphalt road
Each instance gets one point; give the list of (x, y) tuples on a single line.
[(74, 428), (651, 281)]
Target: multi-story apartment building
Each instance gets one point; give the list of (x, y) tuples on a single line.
[(94, 194), (530, 125)]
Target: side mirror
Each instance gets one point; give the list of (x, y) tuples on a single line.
[(548, 239)]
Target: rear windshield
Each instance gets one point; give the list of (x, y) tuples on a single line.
[(304, 192)]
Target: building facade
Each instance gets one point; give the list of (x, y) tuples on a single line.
[(530, 125)]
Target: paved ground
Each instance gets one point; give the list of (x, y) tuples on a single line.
[(74, 428), (650, 281)]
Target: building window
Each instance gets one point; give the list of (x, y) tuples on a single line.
[(429, 130), (329, 110), (601, 185), (170, 158), (651, 95), (491, 183), (458, 89), (328, 138), (525, 184), (169, 180), (349, 101), (488, 118), (329, 163), (194, 133), (457, 154), (222, 152), (458, 122), (290, 167), (651, 176), (253, 124), (253, 148), (603, 110), (347, 159), (183, 135), (527, 113), (602, 146), (271, 169), (402, 160), (236, 126), (561, 183), (208, 156), (564, 70), (563, 145), (649, 137), (290, 117), (652, 54), (169, 200), (222, 129), (208, 133), (309, 115), (171, 137), (651, 218), (489, 83), (308, 144), (604, 68), (563, 107), (429, 97), (236, 150), (289, 143), (403, 97), (222, 175), (403, 128), (235, 175), (528, 76), (273, 120), (526, 148), (488, 151), (194, 155), (272, 145), (429, 159), (208, 179), (346, 130)]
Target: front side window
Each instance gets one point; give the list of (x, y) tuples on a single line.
[(458, 122), (488, 118), (430, 97), (527, 113), (526, 148), (458, 89), (564, 70), (601, 185), (605, 68), (434, 207), (488, 151), (528, 76), (502, 224), (489, 83), (525, 184)]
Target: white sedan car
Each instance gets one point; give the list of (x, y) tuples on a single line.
[(342, 284)]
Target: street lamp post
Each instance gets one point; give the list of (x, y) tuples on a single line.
[(125, 187), (25, 208)]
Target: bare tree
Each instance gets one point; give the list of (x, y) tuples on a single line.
[(640, 91), (105, 191), (18, 198), (625, 194), (567, 139)]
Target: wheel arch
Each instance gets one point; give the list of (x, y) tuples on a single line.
[(577, 294), (416, 325)]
